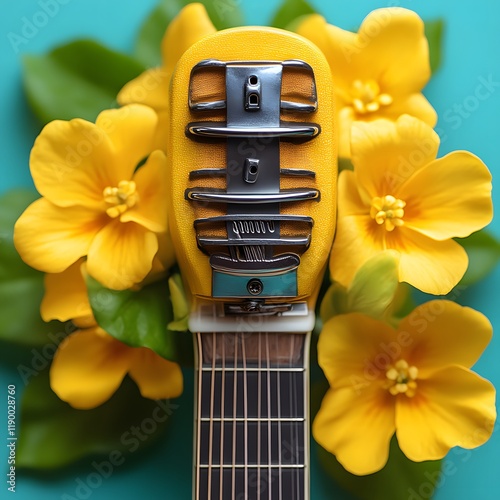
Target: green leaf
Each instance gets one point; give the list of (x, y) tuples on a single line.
[(79, 79), (345, 164), (223, 13), (334, 302), (374, 286), (434, 32), (179, 304), (371, 292), (139, 318), (483, 250), (289, 11), (53, 434), (401, 478), (21, 287), (402, 304)]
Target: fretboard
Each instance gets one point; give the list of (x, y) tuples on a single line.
[(252, 406)]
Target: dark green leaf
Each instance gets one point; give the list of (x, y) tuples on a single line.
[(401, 478), (434, 33), (139, 318), (223, 13), (345, 164), (53, 434), (403, 304), (79, 79), (289, 11), (21, 287), (483, 250)]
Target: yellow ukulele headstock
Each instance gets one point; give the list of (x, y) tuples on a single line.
[(252, 159)]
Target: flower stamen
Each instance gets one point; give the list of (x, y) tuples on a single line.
[(401, 378), (388, 210), (120, 198), (366, 96)]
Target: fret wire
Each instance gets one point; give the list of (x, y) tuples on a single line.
[(252, 419), (253, 466), (245, 410), (280, 479), (269, 414), (221, 452), (235, 386), (251, 369), (211, 432)]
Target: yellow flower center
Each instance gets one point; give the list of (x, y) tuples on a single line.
[(120, 198), (388, 210), (366, 96), (401, 379)]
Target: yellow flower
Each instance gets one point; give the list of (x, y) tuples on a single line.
[(379, 71), (414, 381), (96, 202), (89, 364), (400, 197), (152, 87)]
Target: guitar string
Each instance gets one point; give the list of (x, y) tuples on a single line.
[(259, 423), (292, 400), (268, 374), (278, 376), (211, 432), (222, 415), (303, 364), (235, 387), (245, 409), (200, 386)]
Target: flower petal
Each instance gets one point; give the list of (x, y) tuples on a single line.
[(156, 377), (395, 50), (358, 239), (449, 197), (346, 117), (65, 295), (121, 254), (69, 162), (385, 154), (88, 368), (51, 238), (151, 184), (414, 105), (444, 333), (350, 197), (191, 24), (166, 253), (431, 266), (455, 407), (390, 47), (356, 427), (350, 352), (340, 47), (149, 88), (130, 130), (163, 260)]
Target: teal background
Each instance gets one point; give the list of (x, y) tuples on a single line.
[(471, 53)]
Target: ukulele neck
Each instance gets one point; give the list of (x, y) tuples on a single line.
[(252, 416)]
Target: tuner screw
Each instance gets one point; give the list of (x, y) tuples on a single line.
[(255, 287)]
